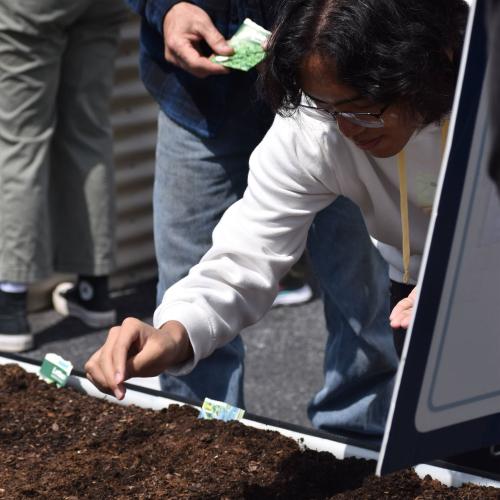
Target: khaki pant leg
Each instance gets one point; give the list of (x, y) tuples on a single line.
[(82, 188), (31, 42)]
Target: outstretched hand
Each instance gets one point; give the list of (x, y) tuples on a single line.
[(184, 28), (403, 311), (136, 349)]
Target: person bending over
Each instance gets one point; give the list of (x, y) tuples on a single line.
[(362, 89)]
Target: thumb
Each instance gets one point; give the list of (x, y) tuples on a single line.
[(215, 40)]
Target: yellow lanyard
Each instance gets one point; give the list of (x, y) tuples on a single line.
[(403, 203)]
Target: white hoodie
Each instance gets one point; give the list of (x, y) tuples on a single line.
[(299, 168)]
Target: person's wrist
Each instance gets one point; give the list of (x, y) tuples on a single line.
[(180, 338)]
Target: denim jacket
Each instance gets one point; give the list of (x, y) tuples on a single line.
[(200, 105)]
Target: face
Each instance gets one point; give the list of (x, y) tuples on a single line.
[(323, 87)]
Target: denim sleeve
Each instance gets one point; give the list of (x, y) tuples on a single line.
[(153, 11)]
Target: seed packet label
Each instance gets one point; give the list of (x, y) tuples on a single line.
[(55, 370), (218, 410), (247, 44)]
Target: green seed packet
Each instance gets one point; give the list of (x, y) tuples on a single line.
[(247, 44), (55, 370)]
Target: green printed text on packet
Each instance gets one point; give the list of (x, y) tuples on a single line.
[(247, 44)]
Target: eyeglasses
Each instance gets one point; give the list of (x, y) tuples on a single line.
[(363, 119)]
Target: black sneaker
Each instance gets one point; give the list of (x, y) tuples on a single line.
[(15, 333), (87, 300)]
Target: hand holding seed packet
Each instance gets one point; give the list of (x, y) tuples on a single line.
[(247, 43)]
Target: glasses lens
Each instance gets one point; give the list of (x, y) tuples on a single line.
[(367, 121)]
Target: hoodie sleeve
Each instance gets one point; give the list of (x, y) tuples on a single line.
[(255, 243)]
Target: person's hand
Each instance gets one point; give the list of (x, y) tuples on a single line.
[(401, 314), (184, 27), (136, 349)]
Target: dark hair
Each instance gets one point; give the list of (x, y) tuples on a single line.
[(388, 50)]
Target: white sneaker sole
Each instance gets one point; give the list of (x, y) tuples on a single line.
[(16, 342), (93, 319), (294, 297)]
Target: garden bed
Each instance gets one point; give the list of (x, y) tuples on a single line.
[(60, 443)]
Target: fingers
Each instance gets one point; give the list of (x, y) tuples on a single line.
[(187, 57), (111, 366), (184, 27), (214, 39), (106, 368), (401, 315), (96, 380), (401, 308), (402, 320), (126, 344), (403, 311)]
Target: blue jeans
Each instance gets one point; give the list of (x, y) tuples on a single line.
[(360, 359), (196, 180)]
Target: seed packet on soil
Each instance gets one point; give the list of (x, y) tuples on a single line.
[(218, 410), (247, 44), (55, 370)]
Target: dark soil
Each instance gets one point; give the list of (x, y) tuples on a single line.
[(58, 443)]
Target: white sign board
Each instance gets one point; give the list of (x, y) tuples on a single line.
[(447, 395)]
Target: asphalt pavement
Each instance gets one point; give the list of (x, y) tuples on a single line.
[(284, 356)]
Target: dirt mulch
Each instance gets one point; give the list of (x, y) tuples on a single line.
[(58, 443)]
